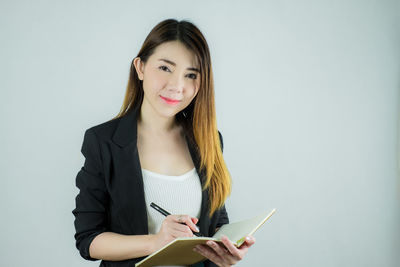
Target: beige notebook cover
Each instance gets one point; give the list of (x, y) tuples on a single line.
[(180, 251)]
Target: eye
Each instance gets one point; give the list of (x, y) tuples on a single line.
[(194, 76), (163, 67)]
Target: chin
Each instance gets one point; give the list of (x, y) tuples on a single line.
[(168, 113)]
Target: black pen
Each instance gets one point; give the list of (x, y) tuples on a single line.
[(166, 213)]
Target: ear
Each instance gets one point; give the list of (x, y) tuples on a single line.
[(139, 66)]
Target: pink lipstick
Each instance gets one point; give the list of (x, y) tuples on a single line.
[(170, 101)]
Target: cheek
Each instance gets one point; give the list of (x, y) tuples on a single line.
[(191, 93), (194, 86), (154, 82), (195, 90)]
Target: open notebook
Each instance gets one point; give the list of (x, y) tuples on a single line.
[(180, 251)]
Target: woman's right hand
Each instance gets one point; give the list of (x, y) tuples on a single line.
[(175, 226)]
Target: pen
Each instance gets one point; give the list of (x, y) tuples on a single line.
[(166, 213)]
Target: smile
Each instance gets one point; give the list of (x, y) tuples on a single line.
[(170, 101)]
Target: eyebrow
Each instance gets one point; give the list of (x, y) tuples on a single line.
[(174, 64)]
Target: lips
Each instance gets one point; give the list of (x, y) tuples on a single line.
[(170, 100)]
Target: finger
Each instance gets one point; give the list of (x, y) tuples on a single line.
[(249, 241), (195, 220), (186, 219), (178, 218), (210, 254), (236, 253), (176, 234), (183, 229), (219, 249), (189, 222), (180, 230)]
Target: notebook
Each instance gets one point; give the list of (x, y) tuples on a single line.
[(180, 250)]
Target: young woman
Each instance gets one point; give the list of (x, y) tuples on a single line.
[(162, 147)]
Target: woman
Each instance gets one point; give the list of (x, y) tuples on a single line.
[(162, 147)]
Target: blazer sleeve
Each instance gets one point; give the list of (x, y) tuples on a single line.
[(92, 199)]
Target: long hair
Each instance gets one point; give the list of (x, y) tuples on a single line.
[(199, 117)]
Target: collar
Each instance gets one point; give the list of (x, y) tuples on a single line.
[(126, 134), (126, 131)]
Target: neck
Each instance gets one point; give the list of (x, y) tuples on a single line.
[(150, 120)]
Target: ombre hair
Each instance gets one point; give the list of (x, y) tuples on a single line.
[(199, 117)]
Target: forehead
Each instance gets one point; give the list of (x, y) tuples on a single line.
[(176, 52)]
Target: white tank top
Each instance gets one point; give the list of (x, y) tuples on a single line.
[(176, 194)]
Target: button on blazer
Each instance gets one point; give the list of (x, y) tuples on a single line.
[(111, 192)]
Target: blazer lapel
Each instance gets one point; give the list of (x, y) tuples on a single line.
[(127, 175), (128, 178)]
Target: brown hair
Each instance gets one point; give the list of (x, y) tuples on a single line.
[(199, 117)]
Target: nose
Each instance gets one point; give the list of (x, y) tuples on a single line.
[(176, 83)]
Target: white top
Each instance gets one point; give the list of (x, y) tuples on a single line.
[(176, 194)]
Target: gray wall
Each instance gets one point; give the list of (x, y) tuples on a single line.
[(307, 96)]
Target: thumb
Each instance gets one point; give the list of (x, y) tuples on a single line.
[(250, 240)]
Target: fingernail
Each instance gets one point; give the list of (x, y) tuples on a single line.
[(248, 238), (197, 228)]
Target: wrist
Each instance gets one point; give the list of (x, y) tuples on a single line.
[(153, 243)]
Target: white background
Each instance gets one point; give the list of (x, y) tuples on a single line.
[(307, 96)]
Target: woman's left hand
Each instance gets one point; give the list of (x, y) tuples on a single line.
[(225, 255)]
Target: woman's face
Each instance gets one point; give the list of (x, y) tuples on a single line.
[(170, 78)]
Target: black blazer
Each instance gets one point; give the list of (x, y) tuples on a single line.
[(111, 196)]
